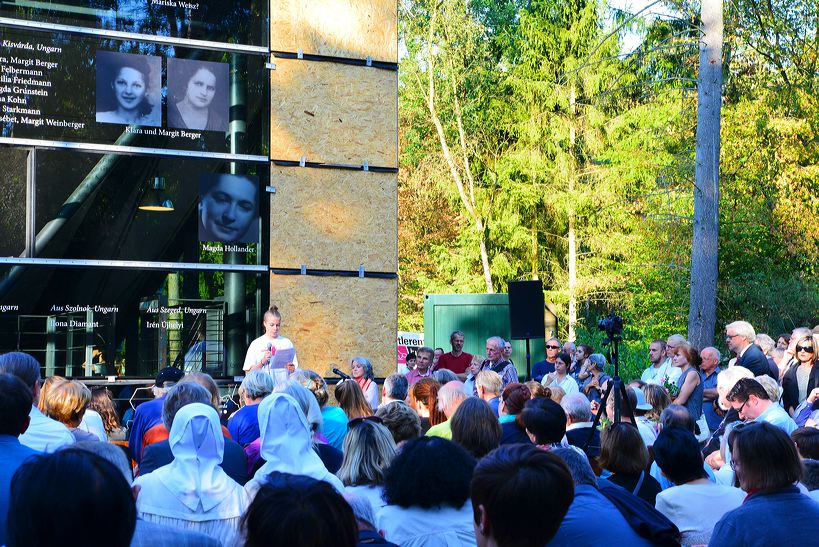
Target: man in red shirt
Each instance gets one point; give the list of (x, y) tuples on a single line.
[(456, 360)]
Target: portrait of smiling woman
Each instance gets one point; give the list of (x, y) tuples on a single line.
[(128, 89), (228, 208), (197, 95)]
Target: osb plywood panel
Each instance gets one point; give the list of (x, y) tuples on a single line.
[(355, 29), (331, 219), (332, 319), (333, 113)]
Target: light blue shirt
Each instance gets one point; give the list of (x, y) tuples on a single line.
[(334, 426), (469, 385), (44, 434), (776, 415)]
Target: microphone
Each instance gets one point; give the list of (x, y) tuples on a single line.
[(272, 351), (343, 375)]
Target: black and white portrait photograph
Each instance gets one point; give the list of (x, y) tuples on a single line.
[(228, 208), (128, 88), (197, 95)]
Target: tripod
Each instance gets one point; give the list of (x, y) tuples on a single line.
[(617, 387)]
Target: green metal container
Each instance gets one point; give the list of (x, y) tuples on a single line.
[(479, 316)]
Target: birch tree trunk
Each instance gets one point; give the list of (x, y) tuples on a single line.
[(702, 314), (572, 239), (459, 167)]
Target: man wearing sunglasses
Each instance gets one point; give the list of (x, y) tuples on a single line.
[(740, 336), (547, 366)]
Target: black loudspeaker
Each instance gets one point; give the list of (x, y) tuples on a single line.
[(526, 306)]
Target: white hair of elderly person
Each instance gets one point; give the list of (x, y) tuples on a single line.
[(193, 492), (287, 443)]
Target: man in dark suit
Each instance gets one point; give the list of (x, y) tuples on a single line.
[(234, 462), (740, 336)]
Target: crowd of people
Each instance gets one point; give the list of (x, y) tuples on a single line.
[(456, 452)]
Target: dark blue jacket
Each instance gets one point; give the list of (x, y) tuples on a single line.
[(754, 360), (244, 425), (234, 462), (147, 415), (512, 434), (594, 520), (541, 369), (795, 520)]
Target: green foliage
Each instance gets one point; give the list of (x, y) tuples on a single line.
[(513, 68)]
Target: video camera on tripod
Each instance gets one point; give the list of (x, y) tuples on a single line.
[(612, 325)]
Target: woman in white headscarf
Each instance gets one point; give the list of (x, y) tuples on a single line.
[(193, 492), (287, 443)]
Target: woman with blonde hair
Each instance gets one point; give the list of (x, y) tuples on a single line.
[(537, 390), (803, 376), (67, 402), (261, 350), (556, 393), (48, 384), (351, 400), (368, 450), (659, 400)]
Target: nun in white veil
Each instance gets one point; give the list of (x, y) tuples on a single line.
[(193, 492), (287, 443)]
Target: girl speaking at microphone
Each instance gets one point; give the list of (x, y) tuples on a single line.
[(261, 354)]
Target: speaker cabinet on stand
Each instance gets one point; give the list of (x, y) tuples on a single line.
[(526, 315)]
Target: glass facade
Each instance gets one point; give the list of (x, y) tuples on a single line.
[(134, 217)]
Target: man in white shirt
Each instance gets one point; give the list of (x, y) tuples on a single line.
[(661, 369), (43, 433)]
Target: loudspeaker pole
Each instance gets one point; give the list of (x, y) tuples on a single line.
[(528, 362)]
